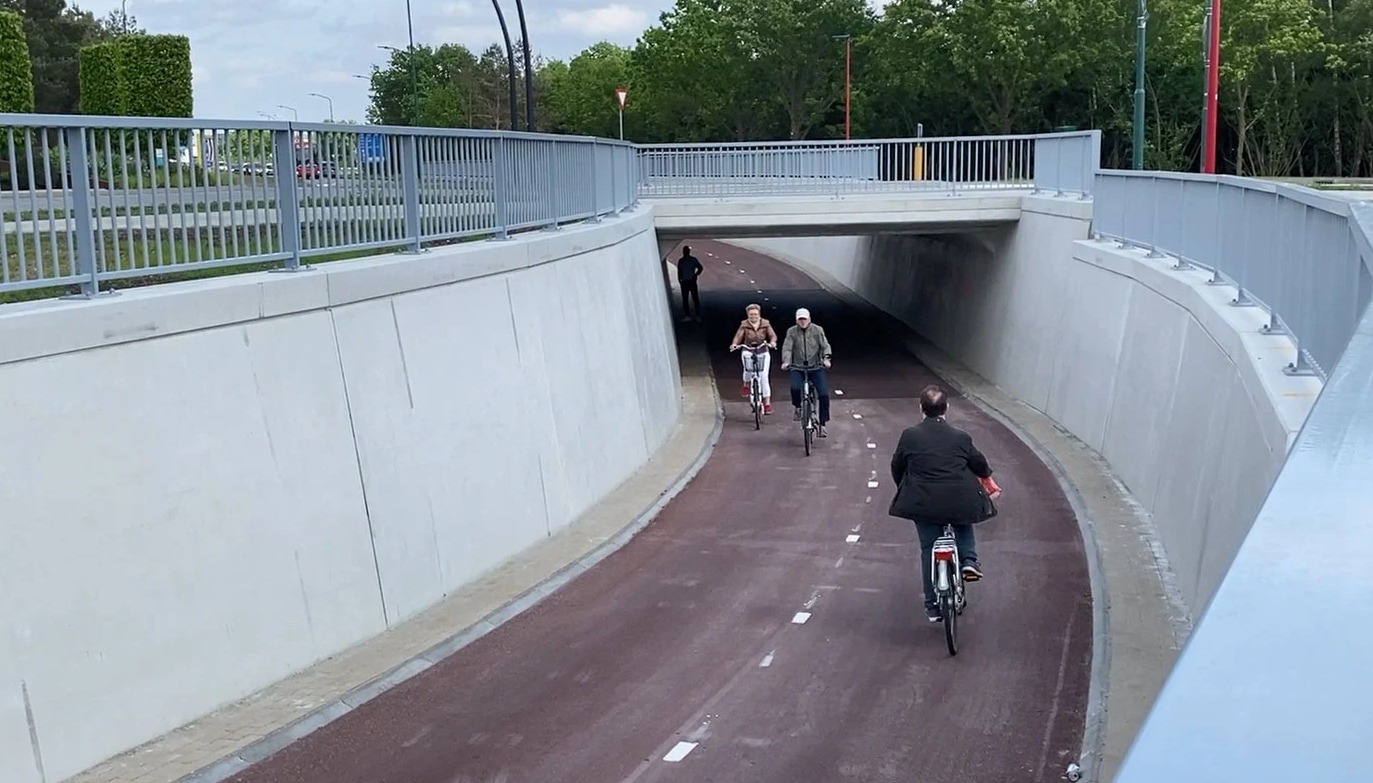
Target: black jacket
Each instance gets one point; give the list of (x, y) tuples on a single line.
[(935, 468)]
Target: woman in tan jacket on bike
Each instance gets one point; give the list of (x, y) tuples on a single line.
[(756, 334)]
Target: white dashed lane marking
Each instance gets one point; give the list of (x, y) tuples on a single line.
[(852, 539), (679, 751), (767, 660), (800, 618)]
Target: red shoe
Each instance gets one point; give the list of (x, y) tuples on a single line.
[(745, 391), (767, 409)]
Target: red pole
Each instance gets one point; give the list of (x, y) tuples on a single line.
[(848, 83), (1208, 165)]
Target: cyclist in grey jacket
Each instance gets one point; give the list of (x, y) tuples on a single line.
[(806, 346)]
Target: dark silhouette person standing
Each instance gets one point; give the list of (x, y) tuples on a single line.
[(936, 469), (689, 268)]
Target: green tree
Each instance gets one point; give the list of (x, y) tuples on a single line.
[(138, 75), (582, 95), (16, 70), (55, 33)]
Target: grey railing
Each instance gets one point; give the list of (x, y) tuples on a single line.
[(87, 200), (90, 200), (1273, 682), (1061, 163), (1286, 248)]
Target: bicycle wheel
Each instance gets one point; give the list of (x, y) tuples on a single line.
[(948, 606), (757, 399), (805, 424)]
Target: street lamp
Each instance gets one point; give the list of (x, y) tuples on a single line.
[(510, 61), (848, 79), (528, 72), (414, 79), (331, 103), (295, 114), (124, 15), (1137, 153)]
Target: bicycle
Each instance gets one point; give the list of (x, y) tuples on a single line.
[(810, 407), (755, 396), (947, 576)]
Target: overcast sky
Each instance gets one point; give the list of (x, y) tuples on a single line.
[(252, 56)]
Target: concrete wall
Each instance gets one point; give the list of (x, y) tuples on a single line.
[(208, 486), (1149, 366)]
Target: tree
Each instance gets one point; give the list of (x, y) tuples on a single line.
[(16, 70), (582, 96), (55, 33), (138, 75)]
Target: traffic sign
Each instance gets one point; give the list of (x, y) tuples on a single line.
[(371, 147)]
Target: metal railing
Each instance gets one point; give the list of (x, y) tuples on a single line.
[(1288, 249), (1060, 163), (90, 200), (1225, 713), (87, 200)]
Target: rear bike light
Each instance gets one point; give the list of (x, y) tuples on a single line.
[(944, 555)]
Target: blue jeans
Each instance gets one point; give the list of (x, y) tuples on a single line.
[(967, 550), (821, 381)]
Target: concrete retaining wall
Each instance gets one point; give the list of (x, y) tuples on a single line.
[(208, 486), (1147, 365)]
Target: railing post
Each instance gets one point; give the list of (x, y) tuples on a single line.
[(500, 188), (614, 186), (554, 162), (595, 192), (87, 222), (288, 198), (410, 185)]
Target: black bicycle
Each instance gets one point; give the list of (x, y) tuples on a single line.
[(810, 407), (755, 395)]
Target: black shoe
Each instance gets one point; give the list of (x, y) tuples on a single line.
[(933, 614), (822, 431), (796, 415), (971, 572)]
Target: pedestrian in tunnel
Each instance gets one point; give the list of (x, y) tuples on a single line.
[(756, 335), (939, 476), (689, 268), (806, 348)]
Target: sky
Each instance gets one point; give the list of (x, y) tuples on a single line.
[(253, 57)]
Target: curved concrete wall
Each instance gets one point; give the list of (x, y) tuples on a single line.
[(208, 486), (1178, 391)]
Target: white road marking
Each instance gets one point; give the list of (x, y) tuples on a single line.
[(800, 618), (872, 445), (867, 499), (679, 751), (852, 539), (858, 415), (872, 484), (814, 597), (867, 590), (839, 392), (767, 660), (839, 562)]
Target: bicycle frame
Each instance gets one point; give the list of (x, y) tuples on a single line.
[(946, 576)]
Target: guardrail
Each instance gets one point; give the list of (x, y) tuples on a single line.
[(1288, 249), (1226, 712), (90, 200), (87, 200), (1060, 162)]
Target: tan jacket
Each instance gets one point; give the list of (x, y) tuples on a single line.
[(752, 336)]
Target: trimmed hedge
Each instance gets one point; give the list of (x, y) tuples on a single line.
[(138, 76), (16, 69), (102, 88)]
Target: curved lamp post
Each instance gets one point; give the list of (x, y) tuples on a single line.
[(528, 71), (510, 62)]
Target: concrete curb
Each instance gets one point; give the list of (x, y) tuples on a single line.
[(1098, 686), (279, 739)]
